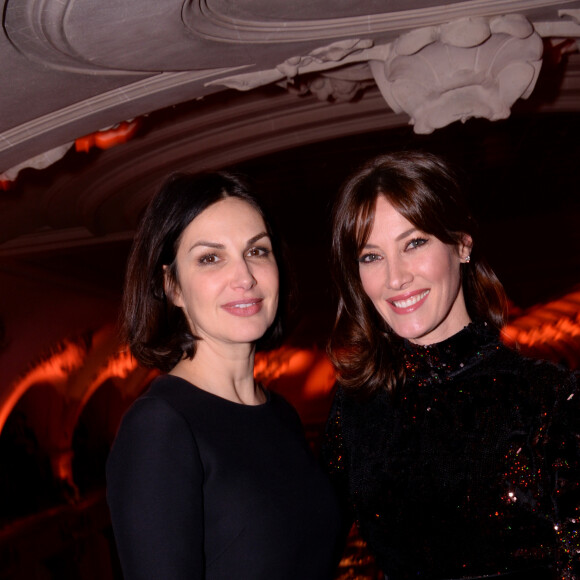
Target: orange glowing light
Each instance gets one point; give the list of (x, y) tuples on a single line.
[(55, 369), (289, 362), (120, 366), (108, 138), (550, 331), (320, 379)]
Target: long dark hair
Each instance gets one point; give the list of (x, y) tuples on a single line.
[(424, 189), (155, 329)]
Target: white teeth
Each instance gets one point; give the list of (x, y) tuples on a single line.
[(243, 305), (410, 301)]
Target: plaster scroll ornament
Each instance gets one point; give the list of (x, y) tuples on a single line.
[(470, 67), (568, 27), (337, 54), (39, 162), (340, 85)]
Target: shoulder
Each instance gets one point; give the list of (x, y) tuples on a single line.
[(279, 405), (538, 378), (352, 406), (277, 400), (153, 435), (509, 360), (159, 416), (150, 412), (171, 389), (186, 399), (152, 421)]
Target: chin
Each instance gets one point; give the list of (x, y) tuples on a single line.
[(413, 334), (250, 336)]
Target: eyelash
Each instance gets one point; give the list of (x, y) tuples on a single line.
[(368, 258), (208, 259), (411, 245), (416, 243), (261, 252)]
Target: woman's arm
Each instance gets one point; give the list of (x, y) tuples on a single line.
[(335, 461), (155, 494), (563, 455)]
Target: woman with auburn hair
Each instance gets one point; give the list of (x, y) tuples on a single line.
[(210, 475), (456, 456)]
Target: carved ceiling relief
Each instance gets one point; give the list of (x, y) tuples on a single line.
[(472, 66), (340, 85), (469, 67), (464, 69)]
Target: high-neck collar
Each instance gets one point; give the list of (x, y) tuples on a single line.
[(440, 361)]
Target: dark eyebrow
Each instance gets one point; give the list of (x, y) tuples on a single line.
[(205, 244), (400, 237), (258, 237), (405, 234), (217, 246)]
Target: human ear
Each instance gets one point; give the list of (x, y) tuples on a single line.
[(171, 287), (465, 247)]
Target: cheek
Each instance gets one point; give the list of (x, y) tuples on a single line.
[(370, 281), (275, 289), (446, 270), (269, 277), (198, 292)]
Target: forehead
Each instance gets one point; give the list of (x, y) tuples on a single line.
[(228, 215), (387, 220)]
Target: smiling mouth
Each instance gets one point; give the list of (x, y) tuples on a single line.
[(410, 301), (249, 308)]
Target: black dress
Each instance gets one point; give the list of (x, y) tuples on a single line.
[(203, 488), (470, 469)]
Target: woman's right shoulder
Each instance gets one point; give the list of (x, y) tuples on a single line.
[(160, 404), (149, 413), (152, 432), (153, 424)]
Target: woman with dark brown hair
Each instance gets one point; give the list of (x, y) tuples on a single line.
[(456, 457), (210, 475)]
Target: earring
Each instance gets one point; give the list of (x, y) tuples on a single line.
[(467, 259)]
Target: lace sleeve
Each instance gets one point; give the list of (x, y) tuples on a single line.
[(563, 454), (333, 454)]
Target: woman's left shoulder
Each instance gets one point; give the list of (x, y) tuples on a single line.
[(280, 404), (540, 376)]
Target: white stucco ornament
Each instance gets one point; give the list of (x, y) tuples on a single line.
[(471, 67), (337, 54)]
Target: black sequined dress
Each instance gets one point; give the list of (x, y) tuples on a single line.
[(470, 469)]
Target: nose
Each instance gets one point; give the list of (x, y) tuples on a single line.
[(242, 275), (398, 274)]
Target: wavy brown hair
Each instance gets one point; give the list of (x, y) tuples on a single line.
[(425, 190), (155, 329)]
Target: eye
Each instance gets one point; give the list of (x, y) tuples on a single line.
[(208, 259), (258, 252), (368, 258), (416, 243)]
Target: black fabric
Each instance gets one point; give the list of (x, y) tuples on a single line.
[(469, 469), (201, 487), (527, 574)]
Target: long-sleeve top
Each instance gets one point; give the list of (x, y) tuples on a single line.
[(204, 488), (470, 468)]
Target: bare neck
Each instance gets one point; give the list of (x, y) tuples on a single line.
[(226, 371)]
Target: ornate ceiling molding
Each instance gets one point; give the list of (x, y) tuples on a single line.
[(105, 109), (132, 37), (210, 19), (464, 68), (117, 186), (368, 48)]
